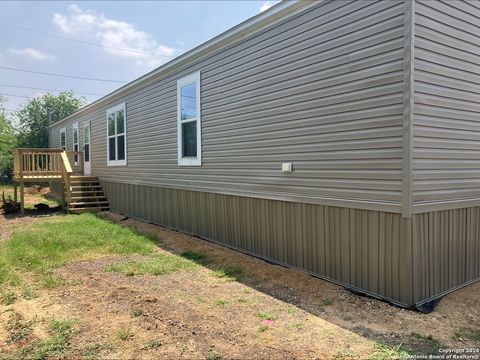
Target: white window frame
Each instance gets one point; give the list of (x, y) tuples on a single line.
[(63, 131), (108, 112), (189, 160), (75, 127)]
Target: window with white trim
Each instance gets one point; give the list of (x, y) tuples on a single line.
[(63, 138), (75, 141), (189, 121), (116, 136)]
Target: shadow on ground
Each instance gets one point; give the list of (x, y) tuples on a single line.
[(407, 330)]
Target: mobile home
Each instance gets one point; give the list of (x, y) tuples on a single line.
[(338, 137)]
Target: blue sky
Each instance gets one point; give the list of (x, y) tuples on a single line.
[(135, 37)]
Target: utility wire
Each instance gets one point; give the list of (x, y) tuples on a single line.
[(62, 75), (21, 96), (83, 41), (55, 90)]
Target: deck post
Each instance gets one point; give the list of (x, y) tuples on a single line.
[(22, 198), (15, 192), (64, 189)]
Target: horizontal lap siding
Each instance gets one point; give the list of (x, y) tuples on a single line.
[(322, 90), (367, 250), (447, 102), (55, 135)]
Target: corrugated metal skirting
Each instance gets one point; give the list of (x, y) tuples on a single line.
[(447, 251), (405, 261), (367, 250)]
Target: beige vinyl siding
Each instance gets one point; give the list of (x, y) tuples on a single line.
[(55, 136), (322, 89), (446, 161)]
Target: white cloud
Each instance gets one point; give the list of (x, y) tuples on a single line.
[(266, 5), (33, 54), (114, 35)]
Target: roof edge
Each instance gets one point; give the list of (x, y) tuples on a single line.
[(248, 27)]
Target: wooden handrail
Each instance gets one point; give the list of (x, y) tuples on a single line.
[(45, 150), (66, 172), (66, 164), (76, 161), (44, 164)]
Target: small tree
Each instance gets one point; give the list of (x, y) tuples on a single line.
[(33, 117), (8, 142)]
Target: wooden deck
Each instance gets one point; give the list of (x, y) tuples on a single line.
[(41, 165), (29, 178)]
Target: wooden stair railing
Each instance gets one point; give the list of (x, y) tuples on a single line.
[(41, 163), (66, 174), (76, 161), (32, 165)]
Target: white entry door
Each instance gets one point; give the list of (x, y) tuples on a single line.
[(87, 168)]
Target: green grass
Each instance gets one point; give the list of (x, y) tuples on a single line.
[(28, 293), (49, 281), (7, 297), (18, 329), (123, 333), (52, 347), (94, 350), (266, 315), (230, 273), (160, 264), (327, 302), (195, 256), (297, 326), (292, 310), (154, 344), (383, 351), (45, 246), (60, 327), (467, 333), (263, 328), (425, 344), (244, 300), (221, 302)]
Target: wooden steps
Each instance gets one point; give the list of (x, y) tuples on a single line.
[(86, 195)]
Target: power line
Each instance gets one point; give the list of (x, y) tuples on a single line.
[(83, 41), (21, 96), (62, 75), (55, 90)]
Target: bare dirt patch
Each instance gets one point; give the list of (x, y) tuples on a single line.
[(263, 311), (196, 314), (33, 195)]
